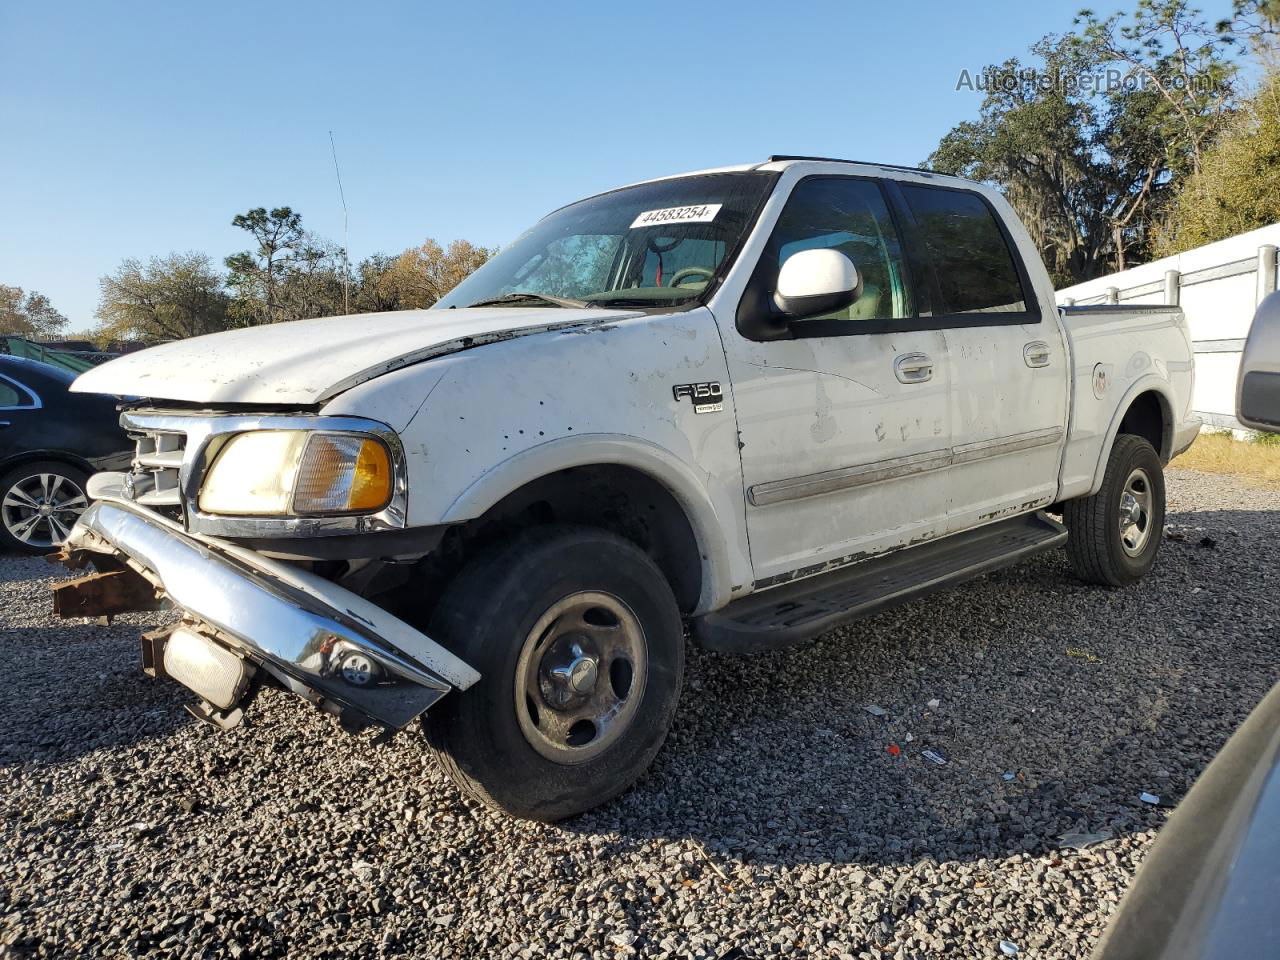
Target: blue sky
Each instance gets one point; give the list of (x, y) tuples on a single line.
[(136, 129)]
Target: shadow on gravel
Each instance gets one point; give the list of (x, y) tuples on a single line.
[(80, 689), (22, 568), (1089, 697)]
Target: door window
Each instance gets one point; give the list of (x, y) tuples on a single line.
[(975, 269), (849, 215)]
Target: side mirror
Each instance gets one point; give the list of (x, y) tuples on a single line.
[(813, 283), (1258, 391)]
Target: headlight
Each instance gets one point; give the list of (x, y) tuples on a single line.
[(275, 472)]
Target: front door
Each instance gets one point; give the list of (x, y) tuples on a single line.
[(844, 426)]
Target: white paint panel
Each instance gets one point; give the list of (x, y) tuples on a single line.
[(1221, 309), (810, 406), (497, 417), (309, 361), (1148, 299), (1216, 375)]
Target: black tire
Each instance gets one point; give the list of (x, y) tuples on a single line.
[(1096, 546), (42, 537), (487, 617)]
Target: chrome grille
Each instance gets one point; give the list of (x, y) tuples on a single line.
[(157, 463)]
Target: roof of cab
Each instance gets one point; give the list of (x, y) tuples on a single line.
[(781, 161)]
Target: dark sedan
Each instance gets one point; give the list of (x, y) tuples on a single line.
[(51, 440)]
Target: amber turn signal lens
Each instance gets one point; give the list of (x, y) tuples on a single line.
[(371, 485), (341, 473)]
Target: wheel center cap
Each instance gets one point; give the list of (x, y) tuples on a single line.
[(582, 675), (1130, 509), (46, 509)]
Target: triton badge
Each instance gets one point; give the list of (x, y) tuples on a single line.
[(706, 397)]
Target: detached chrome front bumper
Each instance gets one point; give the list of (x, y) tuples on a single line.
[(300, 627)]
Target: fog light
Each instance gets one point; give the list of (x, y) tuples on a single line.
[(200, 665)]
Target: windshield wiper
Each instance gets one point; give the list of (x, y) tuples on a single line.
[(636, 302), (513, 299)]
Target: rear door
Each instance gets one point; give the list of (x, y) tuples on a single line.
[(844, 421), (1008, 362)]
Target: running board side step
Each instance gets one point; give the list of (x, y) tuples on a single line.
[(803, 609)]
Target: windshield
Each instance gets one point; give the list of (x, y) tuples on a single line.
[(655, 244)]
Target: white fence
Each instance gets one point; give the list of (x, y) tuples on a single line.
[(1218, 286)]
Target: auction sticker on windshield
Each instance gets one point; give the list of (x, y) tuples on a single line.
[(699, 213)]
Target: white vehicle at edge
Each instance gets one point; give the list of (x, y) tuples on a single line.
[(764, 400)]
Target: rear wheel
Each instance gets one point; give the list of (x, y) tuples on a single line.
[(39, 504), (1115, 534), (580, 648)]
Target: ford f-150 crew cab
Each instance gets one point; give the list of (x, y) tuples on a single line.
[(759, 401)]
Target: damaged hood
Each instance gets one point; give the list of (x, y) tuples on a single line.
[(309, 361)]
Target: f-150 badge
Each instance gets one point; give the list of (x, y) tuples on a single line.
[(706, 397)]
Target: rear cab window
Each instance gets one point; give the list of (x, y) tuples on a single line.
[(974, 265)]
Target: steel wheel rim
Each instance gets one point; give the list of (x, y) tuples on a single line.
[(580, 677), (39, 510), (1135, 517)]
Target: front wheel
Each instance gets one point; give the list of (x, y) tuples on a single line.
[(580, 648), (1115, 534)]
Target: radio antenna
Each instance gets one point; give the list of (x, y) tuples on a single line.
[(346, 258)]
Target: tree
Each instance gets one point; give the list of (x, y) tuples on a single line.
[(1090, 143), (1168, 47), (1257, 22), (373, 292), (167, 298), (28, 314), (314, 282), (291, 275), (1238, 185), (255, 275), (1035, 141), (422, 275)]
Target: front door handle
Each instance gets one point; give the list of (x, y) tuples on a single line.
[(1036, 354), (4, 423), (913, 368)]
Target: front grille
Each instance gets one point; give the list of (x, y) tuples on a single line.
[(157, 463)]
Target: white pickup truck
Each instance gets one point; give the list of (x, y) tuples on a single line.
[(760, 401)]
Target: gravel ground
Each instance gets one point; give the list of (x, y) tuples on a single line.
[(775, 819)]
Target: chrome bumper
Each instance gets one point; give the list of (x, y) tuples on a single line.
[(299, 626)]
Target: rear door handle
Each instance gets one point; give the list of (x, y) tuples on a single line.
[(4, 423), (1036, 354), (913, 368)]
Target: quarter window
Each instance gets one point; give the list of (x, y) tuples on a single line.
[(11, 396), (974, 266), (841, 213)]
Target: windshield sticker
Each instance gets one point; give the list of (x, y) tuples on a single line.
[(700, 213)]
